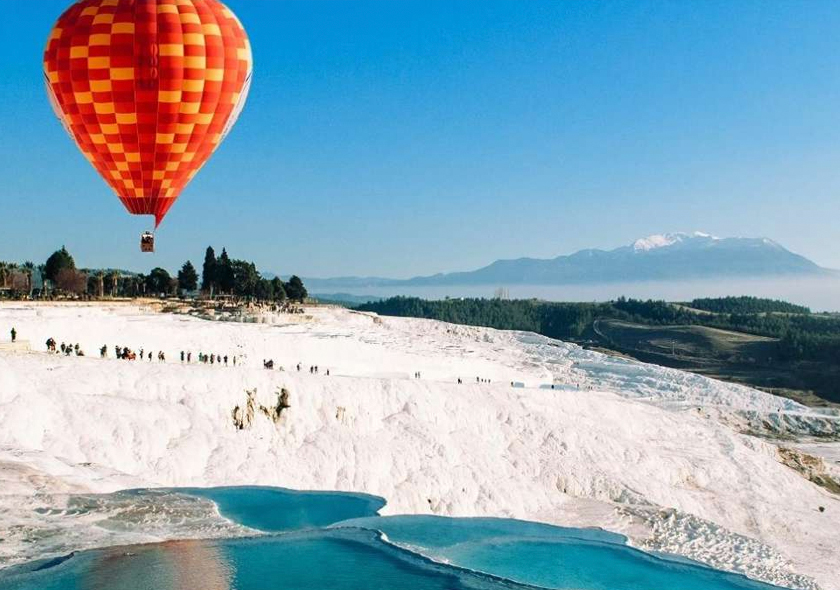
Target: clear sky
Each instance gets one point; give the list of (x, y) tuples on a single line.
[(398, 138)]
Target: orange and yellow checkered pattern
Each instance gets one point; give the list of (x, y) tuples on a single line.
[(148, 89)]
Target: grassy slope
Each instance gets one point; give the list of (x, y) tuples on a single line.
[(723, 354)]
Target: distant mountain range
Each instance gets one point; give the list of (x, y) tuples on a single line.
[(655, 258)]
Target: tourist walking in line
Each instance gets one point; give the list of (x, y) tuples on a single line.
[(14, 335)]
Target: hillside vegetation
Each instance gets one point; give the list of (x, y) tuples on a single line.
[(770, 344), (747, 305)]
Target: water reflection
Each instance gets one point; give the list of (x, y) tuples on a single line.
[(181, 565)]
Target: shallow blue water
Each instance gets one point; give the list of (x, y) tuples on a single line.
[(305, 552), (547, 556), (277, 510)]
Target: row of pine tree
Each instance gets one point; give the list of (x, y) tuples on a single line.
[(221, 276)]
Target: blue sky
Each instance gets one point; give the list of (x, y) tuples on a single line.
[(398, 138)]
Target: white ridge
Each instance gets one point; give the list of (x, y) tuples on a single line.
[(632, 448)]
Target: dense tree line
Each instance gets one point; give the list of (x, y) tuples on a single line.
[(240, 278), (802, 336), (556, 320), (746, 305), (223, 276)]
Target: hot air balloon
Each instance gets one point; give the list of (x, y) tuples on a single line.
[(148, 89)]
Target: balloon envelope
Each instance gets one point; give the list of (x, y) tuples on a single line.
[(148, 89)]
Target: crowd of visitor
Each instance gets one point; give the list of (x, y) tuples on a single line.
[(125, 353), (65, 349)]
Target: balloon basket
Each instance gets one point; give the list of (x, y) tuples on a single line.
[(147, 243)]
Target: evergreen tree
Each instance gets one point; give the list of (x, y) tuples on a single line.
[(278, 290), (265, 290), (158, 282), (58, 261), (224, 273), (244, 277), (187, 277), (295, 289), (208, 272)]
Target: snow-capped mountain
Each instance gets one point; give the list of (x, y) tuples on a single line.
[(669, 256), (665, 240)]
